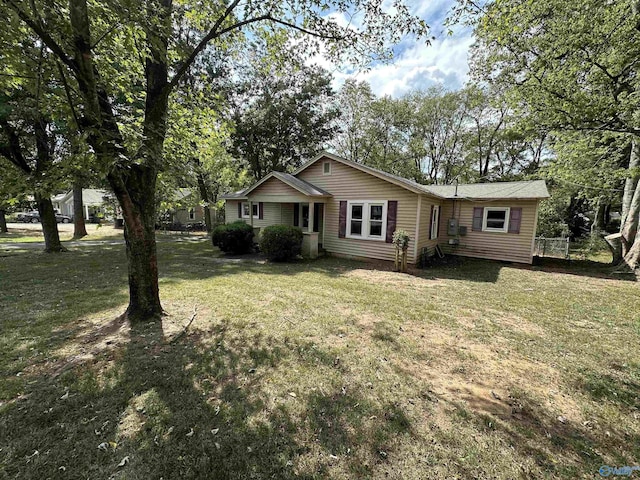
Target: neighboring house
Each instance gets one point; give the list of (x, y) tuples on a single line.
[(352, 210), (189, 210), (93, 201)]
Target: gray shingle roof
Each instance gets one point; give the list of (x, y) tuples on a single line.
[(531, 189), (239, 195), (525, 189), (302, 185)]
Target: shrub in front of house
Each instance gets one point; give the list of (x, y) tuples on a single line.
[(281, 242), (236, 237)]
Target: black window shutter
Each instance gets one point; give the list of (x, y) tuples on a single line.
[(239, 209), (515, 217), (392, 212), (260, 210), (342, 219), (296, 214), (478, 213)]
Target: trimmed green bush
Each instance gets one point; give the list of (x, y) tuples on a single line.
[(236, 237), (281, 242)]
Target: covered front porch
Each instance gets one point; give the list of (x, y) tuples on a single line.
[(282, 199), (309, 216)]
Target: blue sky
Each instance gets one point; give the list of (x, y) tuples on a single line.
[(416, 64)]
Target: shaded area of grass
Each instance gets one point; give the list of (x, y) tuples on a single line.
[(327, 369)]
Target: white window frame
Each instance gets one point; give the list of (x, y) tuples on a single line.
[(254, 204), (324, 171), (435, 223), (485, 214), (366, 218)]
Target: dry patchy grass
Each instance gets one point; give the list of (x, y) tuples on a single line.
[(325, 369)]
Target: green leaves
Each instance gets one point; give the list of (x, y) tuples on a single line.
[(572, 64), (280, 120)]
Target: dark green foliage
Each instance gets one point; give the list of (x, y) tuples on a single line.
[(236, 237), (281, 242)]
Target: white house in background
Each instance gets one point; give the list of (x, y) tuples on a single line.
[(93, 201)]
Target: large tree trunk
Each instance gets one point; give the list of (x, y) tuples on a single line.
[(49, 225), (133, 180), (632, 180), (598, 224), (3, 222), (633, 254), (79, 227), (206, 198), (137, 199), (629, 229)]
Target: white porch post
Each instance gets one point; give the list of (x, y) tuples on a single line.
[(310, 227), (86, 212)]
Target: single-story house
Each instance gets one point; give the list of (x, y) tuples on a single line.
[(188, 210), (93, 202), (349, 209)]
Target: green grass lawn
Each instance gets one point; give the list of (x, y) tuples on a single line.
[(28, 235), (324, 369)]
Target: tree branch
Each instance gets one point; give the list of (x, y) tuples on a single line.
[(213, 33), (216, 33), (13, 151), (104, 35), (67, 92), (44, 36)]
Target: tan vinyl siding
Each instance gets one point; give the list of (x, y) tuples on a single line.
[(231, 211), (271, 213), (182, 215), (347, 183), (495, 246), (425, 225), (273, 186)]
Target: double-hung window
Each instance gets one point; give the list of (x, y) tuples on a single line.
[(367, 219), (254, 208), (496, 219)]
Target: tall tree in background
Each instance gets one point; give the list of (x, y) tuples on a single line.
[(437, 136), (126, 58), (32, 123), (352, 140), (281, 119), (195, 148), (574, 67)]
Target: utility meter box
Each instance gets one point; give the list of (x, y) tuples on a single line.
[(452, 226)]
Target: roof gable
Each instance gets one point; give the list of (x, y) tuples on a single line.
[(394, 179), (298, 184)]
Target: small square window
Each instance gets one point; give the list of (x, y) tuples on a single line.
[(326, 168), (496, 219)]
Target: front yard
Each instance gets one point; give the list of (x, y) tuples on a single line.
[(326, 369)]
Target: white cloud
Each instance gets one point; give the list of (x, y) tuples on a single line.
[(416, 65)]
